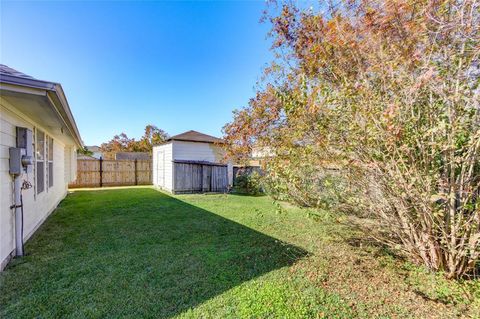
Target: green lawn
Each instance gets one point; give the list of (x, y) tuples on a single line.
[(139, 253)]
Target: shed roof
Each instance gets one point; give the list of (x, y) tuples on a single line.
[(194, 136)]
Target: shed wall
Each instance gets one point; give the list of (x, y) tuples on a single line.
[(197, 151), (162, 166), (204, 152)]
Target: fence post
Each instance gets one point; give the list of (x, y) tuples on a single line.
[(101, 171), (136, 178)]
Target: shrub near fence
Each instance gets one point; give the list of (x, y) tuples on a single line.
[(99, 173), (245, 170), (248, 180)]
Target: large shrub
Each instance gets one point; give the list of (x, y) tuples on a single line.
[(387, 93), (249, 183)]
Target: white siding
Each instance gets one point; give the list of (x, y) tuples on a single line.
[(73, 164), (67, 164), (197, 151), (36, 207), (162, 166), (70, 164)]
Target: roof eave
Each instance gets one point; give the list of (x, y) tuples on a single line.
[(187, 140), (33, 83), (69, 115), (56, 96), (162, 143)]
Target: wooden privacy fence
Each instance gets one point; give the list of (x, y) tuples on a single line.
[(203, 177), (99, 173)]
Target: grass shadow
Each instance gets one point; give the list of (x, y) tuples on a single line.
[(134, 253)]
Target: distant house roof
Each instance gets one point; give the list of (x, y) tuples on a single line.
[(93, 148), (194, 136), (15, 83), (85, 157), (142, 156)]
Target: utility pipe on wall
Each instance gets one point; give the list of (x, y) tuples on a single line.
[(18, 215), (20, 162)]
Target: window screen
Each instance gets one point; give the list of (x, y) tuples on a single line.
[(40, 161), (50, 162)]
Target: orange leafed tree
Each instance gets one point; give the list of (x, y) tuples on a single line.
[(386, 94), (122, 143)]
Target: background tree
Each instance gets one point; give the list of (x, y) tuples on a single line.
[(122, 143), (119, 143), (374, 106), (153, 136), (84, 151)]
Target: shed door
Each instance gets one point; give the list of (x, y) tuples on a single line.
[(161, 168)]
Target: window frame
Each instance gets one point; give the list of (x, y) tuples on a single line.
[(49, 167), (40, 159)]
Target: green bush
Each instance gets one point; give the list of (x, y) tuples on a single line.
[(249, 183), (402, 129)]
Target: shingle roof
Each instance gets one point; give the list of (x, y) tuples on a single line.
[(194, 136), (85, 157), (9, 71), (93, 148), (143, 156)]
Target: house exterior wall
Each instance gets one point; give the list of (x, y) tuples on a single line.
[(37, 207), (162, 166), (70, 163)]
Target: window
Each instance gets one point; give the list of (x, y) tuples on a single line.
[(50, 161), (40, 161)]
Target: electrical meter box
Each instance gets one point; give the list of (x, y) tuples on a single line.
[(21, 157), (16, 166)]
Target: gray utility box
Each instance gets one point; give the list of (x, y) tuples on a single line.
[(21, 157), (16, 155)]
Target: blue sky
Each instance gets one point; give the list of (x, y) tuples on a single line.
[(178, 65)]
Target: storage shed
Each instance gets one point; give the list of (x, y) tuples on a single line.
[(191, 162)]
